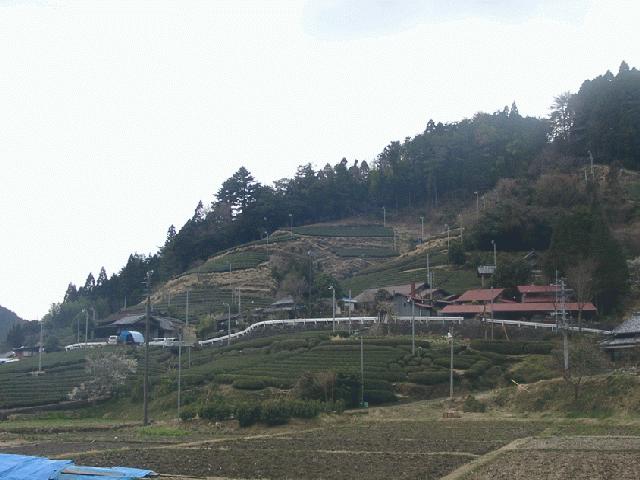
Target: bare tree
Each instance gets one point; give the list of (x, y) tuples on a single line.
[(585, 358), (580, 277)]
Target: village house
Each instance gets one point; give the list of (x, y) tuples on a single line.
[(624, 339), (536, 303)]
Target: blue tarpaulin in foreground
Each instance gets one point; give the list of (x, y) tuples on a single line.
[(23, 467)]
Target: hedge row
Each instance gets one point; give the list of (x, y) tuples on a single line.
[(507, 347), (270, 412)]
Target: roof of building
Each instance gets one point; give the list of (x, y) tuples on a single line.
[(631, 325), (284, 301), (369, 295), (538, 288), (516, 307), (481, 295), (623, 342), (165, 323)]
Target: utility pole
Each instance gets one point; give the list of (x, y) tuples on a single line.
[(477, 204), (565, 339), (361, 371), (333, 304), (384, 217), (394, 240), (421, 229), (41, 347), (78, 332), (451, 364), (86, 326), (413, 326), (179, 368), (291, 224), (145, 389), (349, 309), (447, 227), (491, 312), (495, 257), (187, 324), (429, 279), (228, 323)]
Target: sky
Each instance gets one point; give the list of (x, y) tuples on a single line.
[(117, 117)]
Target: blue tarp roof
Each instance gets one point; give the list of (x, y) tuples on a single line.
[(22, 467)]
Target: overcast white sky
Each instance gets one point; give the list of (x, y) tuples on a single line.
[(118, 116)]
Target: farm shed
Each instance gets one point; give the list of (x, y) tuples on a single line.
[(159, 326)]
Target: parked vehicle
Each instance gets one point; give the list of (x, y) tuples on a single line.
[(113, 340), (130, 337)]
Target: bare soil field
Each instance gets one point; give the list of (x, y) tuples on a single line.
[(590, 457), (350, 449), (408, 441)]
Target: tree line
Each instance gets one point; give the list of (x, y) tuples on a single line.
[(446, 163)]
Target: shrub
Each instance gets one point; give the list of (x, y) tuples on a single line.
[(305, 409), (288, 345), (377, 384), (431, 377), (248, 414), (216, 410), (275, 412), (459, 362), (477, 369), (533, 368), (472, 404), (249, 384), (506, 347), (376, 397), (224, 378), (188, 412)]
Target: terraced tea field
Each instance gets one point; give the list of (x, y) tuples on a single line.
[(344, 231)]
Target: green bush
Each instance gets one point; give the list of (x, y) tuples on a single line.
[(288, 345), (472, 404), (188, 412), (459, 362), (275, 412), (216, 410), (507, 347), (305, 408), (534, 368), (224, 378), (376, 397), (431, 377), (477, 369), (249, 384), (376, 384), (248, 414)]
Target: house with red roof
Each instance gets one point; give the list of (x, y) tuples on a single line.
[(536, 301)]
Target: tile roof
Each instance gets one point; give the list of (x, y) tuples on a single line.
[(631, 325), (538, 288), (516, 307), (480, 295)]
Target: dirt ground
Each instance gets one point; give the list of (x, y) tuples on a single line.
[(410, 441), (565, 457)]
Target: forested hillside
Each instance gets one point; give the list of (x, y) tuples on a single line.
[(522, 170), (7, 320)]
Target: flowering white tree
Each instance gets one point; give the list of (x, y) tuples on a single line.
[(107, 371)]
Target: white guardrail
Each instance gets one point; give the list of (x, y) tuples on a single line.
[(365, 320), (343, 320)]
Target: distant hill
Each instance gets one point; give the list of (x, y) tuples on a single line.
[(7, 320)]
